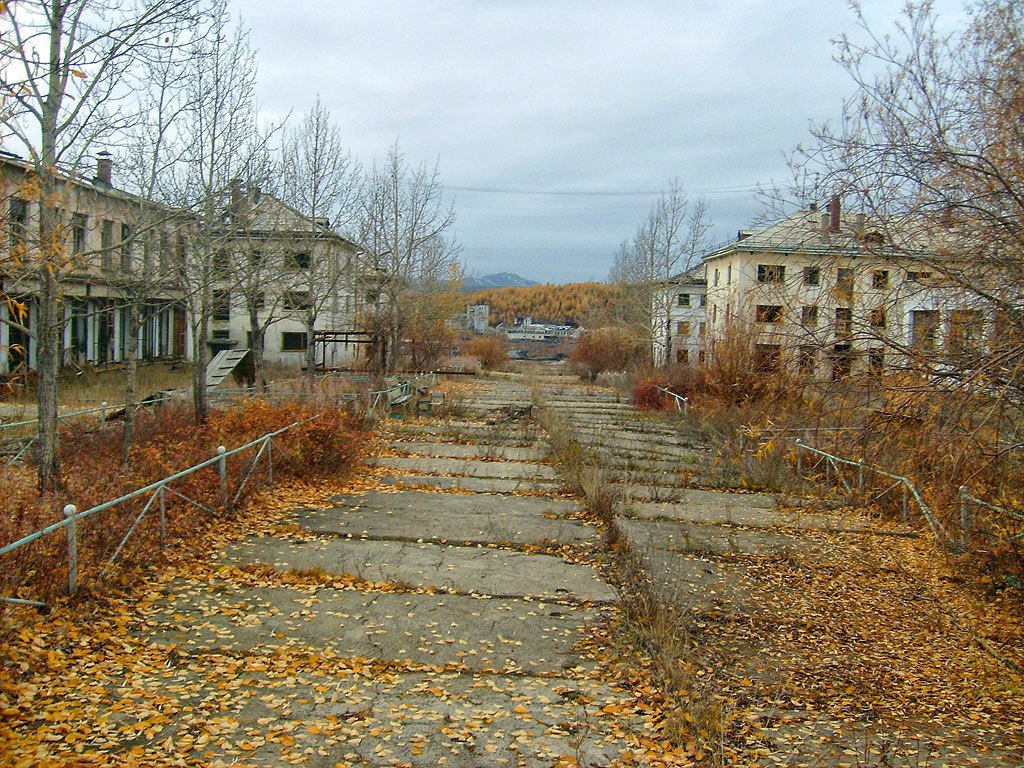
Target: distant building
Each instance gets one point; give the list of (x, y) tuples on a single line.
[(526, 330), (478, 318), (684, 297)]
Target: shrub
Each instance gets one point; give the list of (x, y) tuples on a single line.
[(489, 350), (607, 349), (647, 396), (165, 443)]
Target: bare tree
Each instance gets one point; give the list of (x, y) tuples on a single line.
[(223, 144), (406, 229), (931, 147), (74, 62), (669, 242), (322, 182)]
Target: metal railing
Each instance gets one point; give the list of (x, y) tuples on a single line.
[(157, 492), (682, 402), (103, 409), (834, 465), (398, 390)]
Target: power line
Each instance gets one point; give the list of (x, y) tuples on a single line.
[(600, 193)]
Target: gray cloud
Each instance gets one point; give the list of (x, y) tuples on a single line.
[(564, 96)]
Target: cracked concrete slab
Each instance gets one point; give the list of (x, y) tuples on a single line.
[(475, 570), (497, 485), (498, 635), (674, 536), (469, 467), (475, 518), (469, 451)]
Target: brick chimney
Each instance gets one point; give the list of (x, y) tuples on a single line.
[(104, 169), (834, 213), (236, 207)]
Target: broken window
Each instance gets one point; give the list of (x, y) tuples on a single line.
[(771, 273), (844, 321), (769, 313), (844, 279)]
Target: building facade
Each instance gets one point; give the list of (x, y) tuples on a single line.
[(121, 262), (114, 256), (680, 307), (292, 277), (829, 295)]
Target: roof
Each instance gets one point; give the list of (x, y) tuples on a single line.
[(809, 231), (697, 274)]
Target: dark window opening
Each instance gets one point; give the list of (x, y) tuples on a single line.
[(292, 341), (17, 221), (78, 224), (769, 313), (844, 279), (771, 273), (221, 305), (812, 275), (844, 321)]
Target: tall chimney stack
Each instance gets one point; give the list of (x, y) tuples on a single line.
[(834, 211), (104, 169)]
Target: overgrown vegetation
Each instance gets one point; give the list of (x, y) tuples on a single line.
[(649, 627), (941, 438), (491, 351), (167, 442), (612, 348), (569, 304)]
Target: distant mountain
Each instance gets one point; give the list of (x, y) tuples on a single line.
[(498, 280)]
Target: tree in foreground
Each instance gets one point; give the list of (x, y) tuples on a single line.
[(931, 146), (71, 67), (406, 229)]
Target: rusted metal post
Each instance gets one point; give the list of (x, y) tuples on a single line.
[(70, 510), (223, 466)]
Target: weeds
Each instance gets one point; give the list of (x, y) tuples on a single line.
[(656, 628)]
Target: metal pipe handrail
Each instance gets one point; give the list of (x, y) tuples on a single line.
[(102, 408), (937, 528), (72, 516), (682, 402)]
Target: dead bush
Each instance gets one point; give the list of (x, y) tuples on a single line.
[(491, 351), (607, 349)]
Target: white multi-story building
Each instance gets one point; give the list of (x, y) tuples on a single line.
[(296, 274), (830, 295), (679, 314)]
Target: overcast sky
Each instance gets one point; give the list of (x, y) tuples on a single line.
[(556, 124)]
